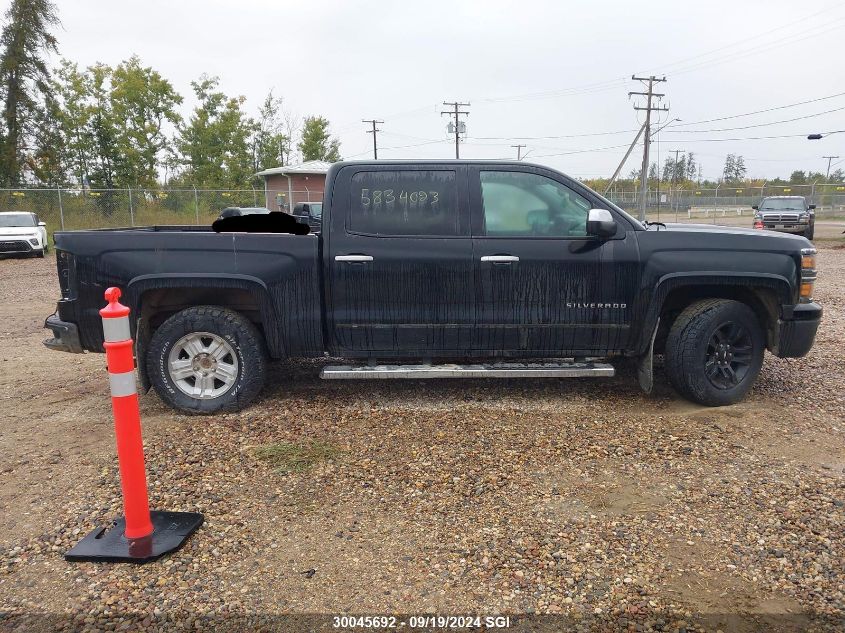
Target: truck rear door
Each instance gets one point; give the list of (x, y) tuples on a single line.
[(399, 260), (546, 288)]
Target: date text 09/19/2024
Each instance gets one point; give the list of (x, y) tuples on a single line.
[(421, 621)]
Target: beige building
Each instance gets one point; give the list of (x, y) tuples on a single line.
[(285, 186)]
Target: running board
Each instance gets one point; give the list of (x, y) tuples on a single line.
[(485, 370)]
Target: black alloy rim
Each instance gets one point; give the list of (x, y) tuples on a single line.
[(729, 355)]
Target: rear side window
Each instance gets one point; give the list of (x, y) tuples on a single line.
[(404, 203)]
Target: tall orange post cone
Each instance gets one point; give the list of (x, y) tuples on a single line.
[(139, 536)]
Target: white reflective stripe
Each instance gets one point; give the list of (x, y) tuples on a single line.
[(122, 384), (116, 329)]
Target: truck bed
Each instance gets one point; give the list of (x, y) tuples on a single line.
[(279, 272)]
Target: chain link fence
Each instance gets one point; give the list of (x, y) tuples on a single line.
[(728, 200), (72, 209)]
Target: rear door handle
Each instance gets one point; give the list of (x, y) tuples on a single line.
[(500, 259), (353, 258)]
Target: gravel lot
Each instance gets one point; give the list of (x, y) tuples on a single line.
[(582, 498)]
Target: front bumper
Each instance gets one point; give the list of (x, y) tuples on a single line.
[(16, 246), (786, 227), (65, 335), (797, 330)]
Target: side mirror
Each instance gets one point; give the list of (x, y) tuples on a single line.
[(812, 206), (600, 222), (755, 206), (42, 224)]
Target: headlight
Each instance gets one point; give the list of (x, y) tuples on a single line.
[(808, 274), (758, 216)]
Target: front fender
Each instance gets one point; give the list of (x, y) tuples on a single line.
[(716, 280)]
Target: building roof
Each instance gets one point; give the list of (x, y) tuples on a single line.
[(308, 167)]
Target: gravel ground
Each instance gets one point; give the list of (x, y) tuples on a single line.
[(575, 497)]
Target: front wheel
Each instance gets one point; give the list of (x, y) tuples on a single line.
[(207, 359), (714, 352), (809, 231)]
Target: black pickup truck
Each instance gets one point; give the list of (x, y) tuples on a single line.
[(444, 269)]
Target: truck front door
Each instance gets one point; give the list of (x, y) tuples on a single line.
[(399, 258), (547, 288)]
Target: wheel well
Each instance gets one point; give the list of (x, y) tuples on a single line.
[(160, 303), (763, 301)]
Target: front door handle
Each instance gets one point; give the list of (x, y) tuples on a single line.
[(500, 259), (353, 258)]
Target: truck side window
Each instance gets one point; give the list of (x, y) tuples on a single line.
[(404, 202), (522, 204)]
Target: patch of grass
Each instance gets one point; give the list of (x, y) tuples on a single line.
[(296, 458)]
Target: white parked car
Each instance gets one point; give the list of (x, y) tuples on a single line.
[(22, 232)]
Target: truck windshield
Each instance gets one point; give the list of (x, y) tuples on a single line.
[(784, 204), (16, 219)]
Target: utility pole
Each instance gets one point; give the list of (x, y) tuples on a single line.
[(519, 151), (374, 122), (459, 125), (674, 174), (650, 95), (829, 158), (624, 158)]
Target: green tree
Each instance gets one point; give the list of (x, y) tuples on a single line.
[(143, 102), (271, 146), (48, 159), (740, 171), (316, 144), (691, 166), (215, 144), (103, 126), (71, 89), (24, 78), (729, 168), (798, 177)]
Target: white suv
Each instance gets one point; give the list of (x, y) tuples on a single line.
[(21, 232)]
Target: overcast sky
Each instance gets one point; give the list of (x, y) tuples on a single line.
[(530, 69)]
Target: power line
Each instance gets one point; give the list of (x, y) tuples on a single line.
[(748, 127), (520, 147), (791, 39), (374, 132), (649, 108), (737, 138), (459, 125), (737, 116)]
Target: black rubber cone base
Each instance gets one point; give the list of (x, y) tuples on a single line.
[(109, 545)]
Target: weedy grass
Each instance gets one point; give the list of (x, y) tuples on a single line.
[(296, 458)]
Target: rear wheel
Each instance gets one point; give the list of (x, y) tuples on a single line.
[(714, 352), (207, 359)]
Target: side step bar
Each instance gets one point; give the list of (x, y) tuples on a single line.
[(485, 370)]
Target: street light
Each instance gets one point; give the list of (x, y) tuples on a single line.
[(817, 135), (657, 131)]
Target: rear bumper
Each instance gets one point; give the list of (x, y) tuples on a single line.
[(797, 333), (65, 335)]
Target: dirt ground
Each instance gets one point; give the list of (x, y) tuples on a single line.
[(575, 497)]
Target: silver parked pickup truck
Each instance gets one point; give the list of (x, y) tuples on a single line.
[(788, 214)]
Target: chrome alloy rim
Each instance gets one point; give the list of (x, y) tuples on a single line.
[(203, 365)]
